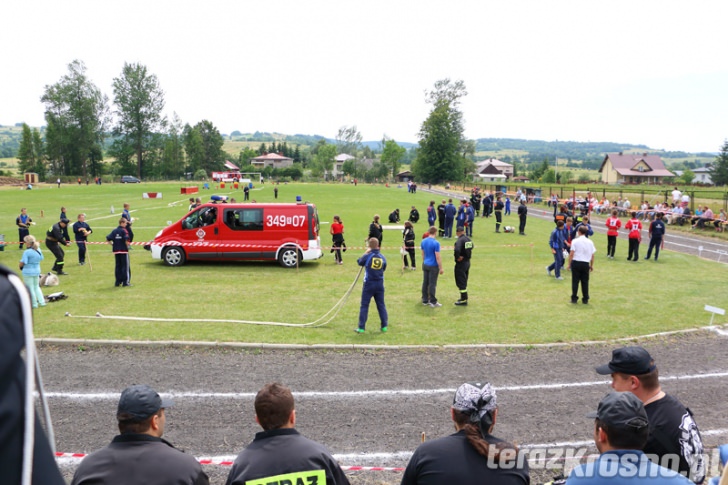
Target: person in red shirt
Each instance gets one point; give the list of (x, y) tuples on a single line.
[(337, 238), (613, 225), (634, 226)]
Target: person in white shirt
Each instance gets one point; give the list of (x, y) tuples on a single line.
[(676, 194), (581, 263)]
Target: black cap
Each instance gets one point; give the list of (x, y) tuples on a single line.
[(141, 401), (621, 410), (629, 360), (65, 221), (459, 229)]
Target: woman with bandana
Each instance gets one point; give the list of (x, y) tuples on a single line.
[(472, 455)]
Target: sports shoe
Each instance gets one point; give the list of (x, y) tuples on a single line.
[(384, 329), (61, 272), (359, 330), (426, 303), (461, 303), (548, 271), (437, 304), (560, 278)]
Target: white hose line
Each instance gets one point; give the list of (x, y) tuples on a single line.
[(314, 324)]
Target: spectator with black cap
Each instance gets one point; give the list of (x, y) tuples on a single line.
[(621, 428), (674, 438), (472, 455), (139, 454)]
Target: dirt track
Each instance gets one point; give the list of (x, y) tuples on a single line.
[(364, 402)]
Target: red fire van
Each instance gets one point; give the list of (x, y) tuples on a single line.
[(287, 233)]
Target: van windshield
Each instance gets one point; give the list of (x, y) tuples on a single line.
[(199, 218)]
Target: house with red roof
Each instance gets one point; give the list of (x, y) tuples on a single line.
[(633, 168), (275, 160)]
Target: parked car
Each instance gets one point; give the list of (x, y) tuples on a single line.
[(128, 179), (287, 233)]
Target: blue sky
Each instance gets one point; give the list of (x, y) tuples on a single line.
[(644, 72)]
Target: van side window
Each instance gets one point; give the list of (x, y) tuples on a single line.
[(244, 219)]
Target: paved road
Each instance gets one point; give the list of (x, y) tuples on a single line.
[(370, 407)]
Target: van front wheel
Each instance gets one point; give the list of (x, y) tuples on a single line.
[(288, 257), (173, 256)]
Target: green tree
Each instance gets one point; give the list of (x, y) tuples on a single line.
[(719, 169), (323, 162), (441, 135), (687, 177), (77, 117), (348, 140), (212, 143), (391, 155), (173, 159), (194, 149), (139, 103), (26, 153), (246, 155)]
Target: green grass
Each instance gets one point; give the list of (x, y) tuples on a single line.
[(511, 298)]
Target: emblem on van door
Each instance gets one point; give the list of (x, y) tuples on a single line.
[(200, 234)]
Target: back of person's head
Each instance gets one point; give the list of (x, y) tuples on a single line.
[(373, 243), (432, 230), (273, 406), (137, 407), (623, 419), (31, 242), (634, 215), (474, 408), (408, 225), (559, 224), (376, 217), (583, 230)]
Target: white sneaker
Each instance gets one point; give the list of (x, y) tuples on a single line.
[(436, 304), (548, 271), (560, 278)]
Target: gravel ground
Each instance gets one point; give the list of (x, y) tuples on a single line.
[(365, 402)]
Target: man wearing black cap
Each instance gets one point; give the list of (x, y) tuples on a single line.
[(55, 239), (620, 432), (472, 455), (139, 454), (279, 454), (674, 439), (463, 251)]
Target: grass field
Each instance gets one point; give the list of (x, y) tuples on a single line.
[(511, 298)]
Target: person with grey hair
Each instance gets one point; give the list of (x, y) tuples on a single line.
[(621, 429), (139, 454), (472, 455)]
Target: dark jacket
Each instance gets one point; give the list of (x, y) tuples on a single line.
[(12, 389), (139, 458), (285, 452)]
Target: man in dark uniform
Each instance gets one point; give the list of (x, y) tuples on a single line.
[(138, 454), (119, 240), (54, 241), (81, 230), (280, 454), (522, 213), (23, 221), (487, 204), (414, 215), (463, 251), (375, 264), (441, 219), (450, 213), (14, 372), (246, 192), (656, 231), (498, 209)]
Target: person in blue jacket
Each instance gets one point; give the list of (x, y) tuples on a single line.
[(470, 213), (557, 245), (450, 213), (375, 264)]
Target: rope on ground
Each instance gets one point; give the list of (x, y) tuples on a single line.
[(325, 319)]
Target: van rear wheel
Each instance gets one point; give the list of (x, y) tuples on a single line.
[(174, 256), (288, 257)]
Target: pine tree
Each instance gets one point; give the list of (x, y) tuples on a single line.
[(719, 170)]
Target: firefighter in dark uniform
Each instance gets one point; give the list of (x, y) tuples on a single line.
[(119, 240), (498, 209), (375, 264), (55, 240), (522, 214), (463, 251)]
